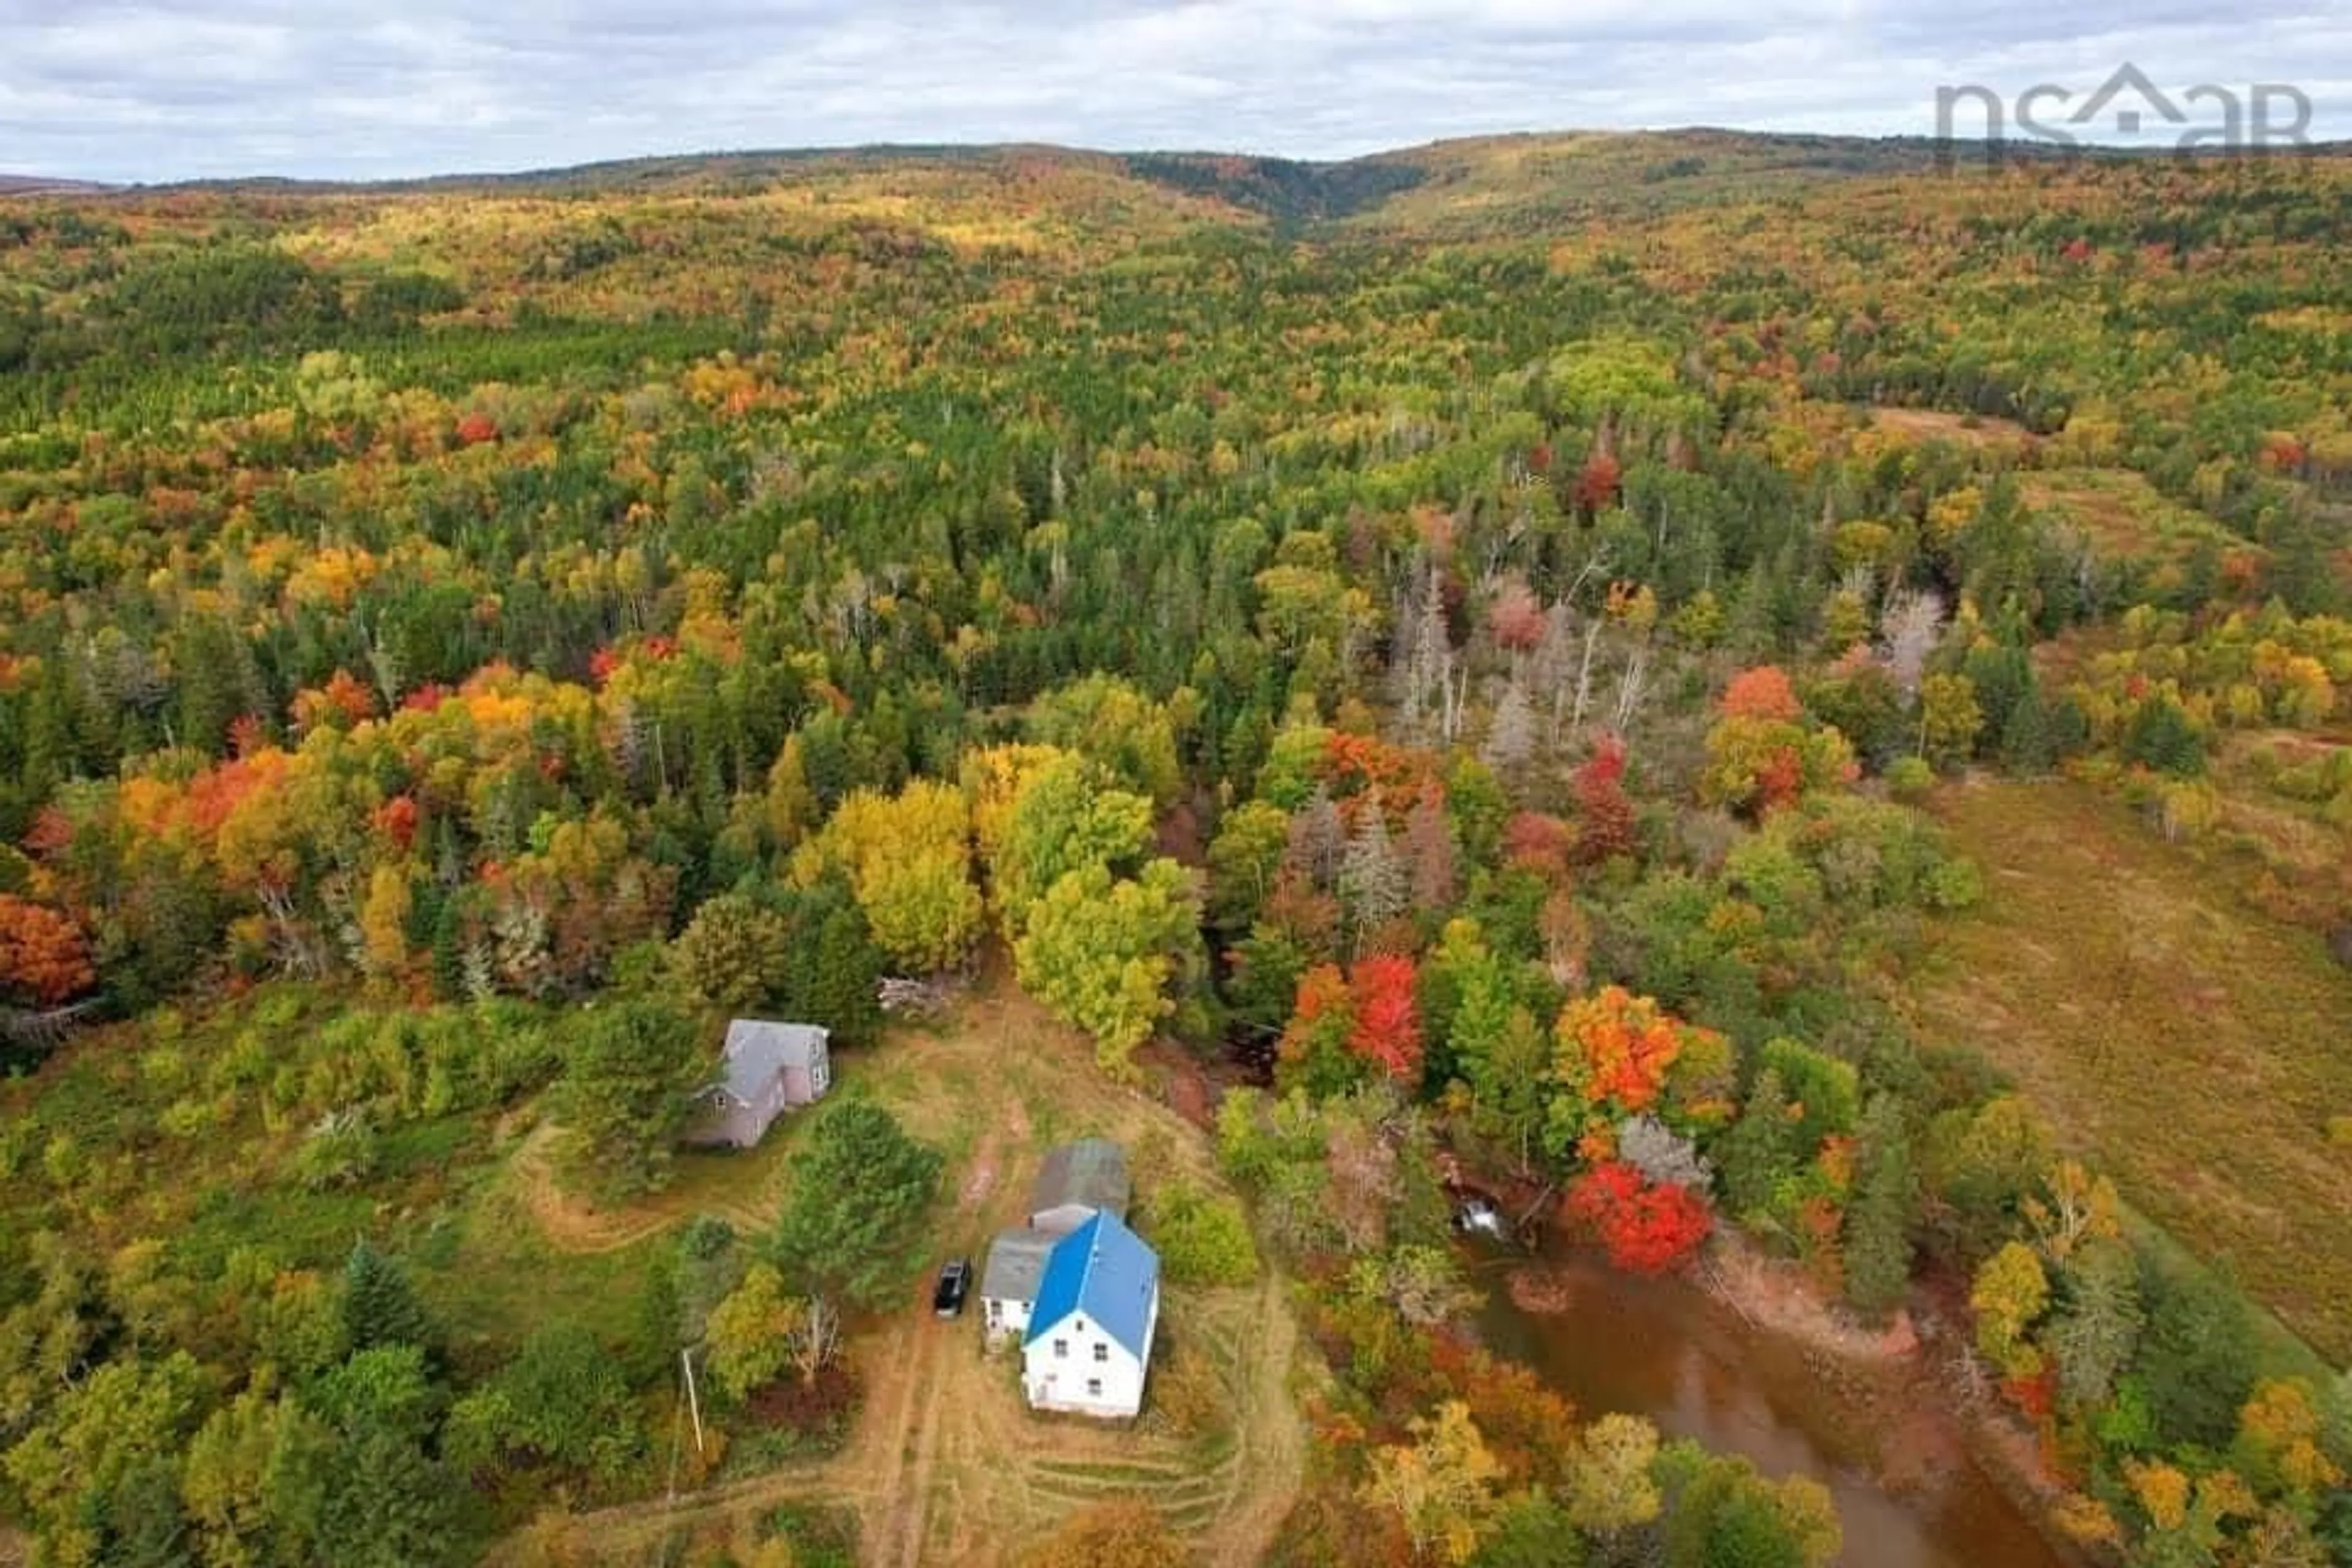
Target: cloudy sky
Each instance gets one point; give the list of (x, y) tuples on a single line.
[(161, 90)]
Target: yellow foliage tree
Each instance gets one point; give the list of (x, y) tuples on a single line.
[(1442, 1485), (2008, 1294)]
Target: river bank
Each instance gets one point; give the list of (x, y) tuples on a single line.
[(1743, 1356)]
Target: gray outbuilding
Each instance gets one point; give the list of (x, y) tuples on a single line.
[(767, 1069)]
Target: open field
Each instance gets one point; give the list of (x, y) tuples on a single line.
[(946, 1464), (1964, 430), (2193, 1048), (2123, 515)]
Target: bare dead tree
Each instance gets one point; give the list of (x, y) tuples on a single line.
[(1552, 669), (1909, 628), (1584, 675), (1633, 686), (814, 1337), (1510, 736), (1427, 667)]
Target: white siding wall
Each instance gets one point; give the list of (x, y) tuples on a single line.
[(1095, 1376), (1004, 1315)]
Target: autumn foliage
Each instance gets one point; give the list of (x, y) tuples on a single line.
[(1604, 815), (1387, 1030), (1598, 483), (1369, 1013), (1648, 1228), (43, 958), (1763, 692), (1622, 1045)]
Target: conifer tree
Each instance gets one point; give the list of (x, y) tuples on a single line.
[(1760, 1146), (380, 1306), (1878, 1222)]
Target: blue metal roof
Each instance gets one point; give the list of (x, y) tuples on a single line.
[(1105, 1271)]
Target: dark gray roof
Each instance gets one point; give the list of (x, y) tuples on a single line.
[(757, 1050), (1091, 1172), (1016, 1261)]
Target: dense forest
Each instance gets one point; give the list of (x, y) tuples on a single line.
[(1493, 646)]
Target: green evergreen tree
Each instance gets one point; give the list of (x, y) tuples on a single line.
[(1760, 1148), (1878, 1222), (2196, 1356), (627, 1095), (840, 988), (145, 1526), (2163, 737), (2029, 741), (859, 1190), (380, 1306)]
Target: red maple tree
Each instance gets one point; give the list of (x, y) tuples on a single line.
[(1604, 817), (1648, 1228), (1388, 1016), (1516, 618), (396, 820), (1535, 842), (1597, 484)]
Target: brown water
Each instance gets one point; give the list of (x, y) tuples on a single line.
[(1907, 1492)]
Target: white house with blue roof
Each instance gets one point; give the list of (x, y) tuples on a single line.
[(1089, 1338)]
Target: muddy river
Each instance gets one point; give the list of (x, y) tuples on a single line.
[(1907, 1491)]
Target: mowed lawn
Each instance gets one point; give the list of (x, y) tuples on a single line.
[(2192, 1048)]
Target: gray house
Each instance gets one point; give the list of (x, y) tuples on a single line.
[(767, 1069)]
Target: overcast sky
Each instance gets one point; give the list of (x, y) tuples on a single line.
[(161, 90)]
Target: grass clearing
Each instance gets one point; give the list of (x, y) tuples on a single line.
[(946, 1464), (2123, 515), (1982, 431), (2193, 1048)]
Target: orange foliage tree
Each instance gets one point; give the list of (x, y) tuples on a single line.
[(1761, 754), (1620, 1055), (43, 958)]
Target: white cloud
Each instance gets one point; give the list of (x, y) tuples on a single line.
[(155, 89)]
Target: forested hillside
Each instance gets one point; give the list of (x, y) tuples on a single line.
[(1489, 637)]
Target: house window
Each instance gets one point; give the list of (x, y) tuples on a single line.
[(1094, 1386), (1061, 1350), (1102, 1351)]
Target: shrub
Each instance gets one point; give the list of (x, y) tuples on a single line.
[(1186, 1395), (1909, 777), (1202, 1238)]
